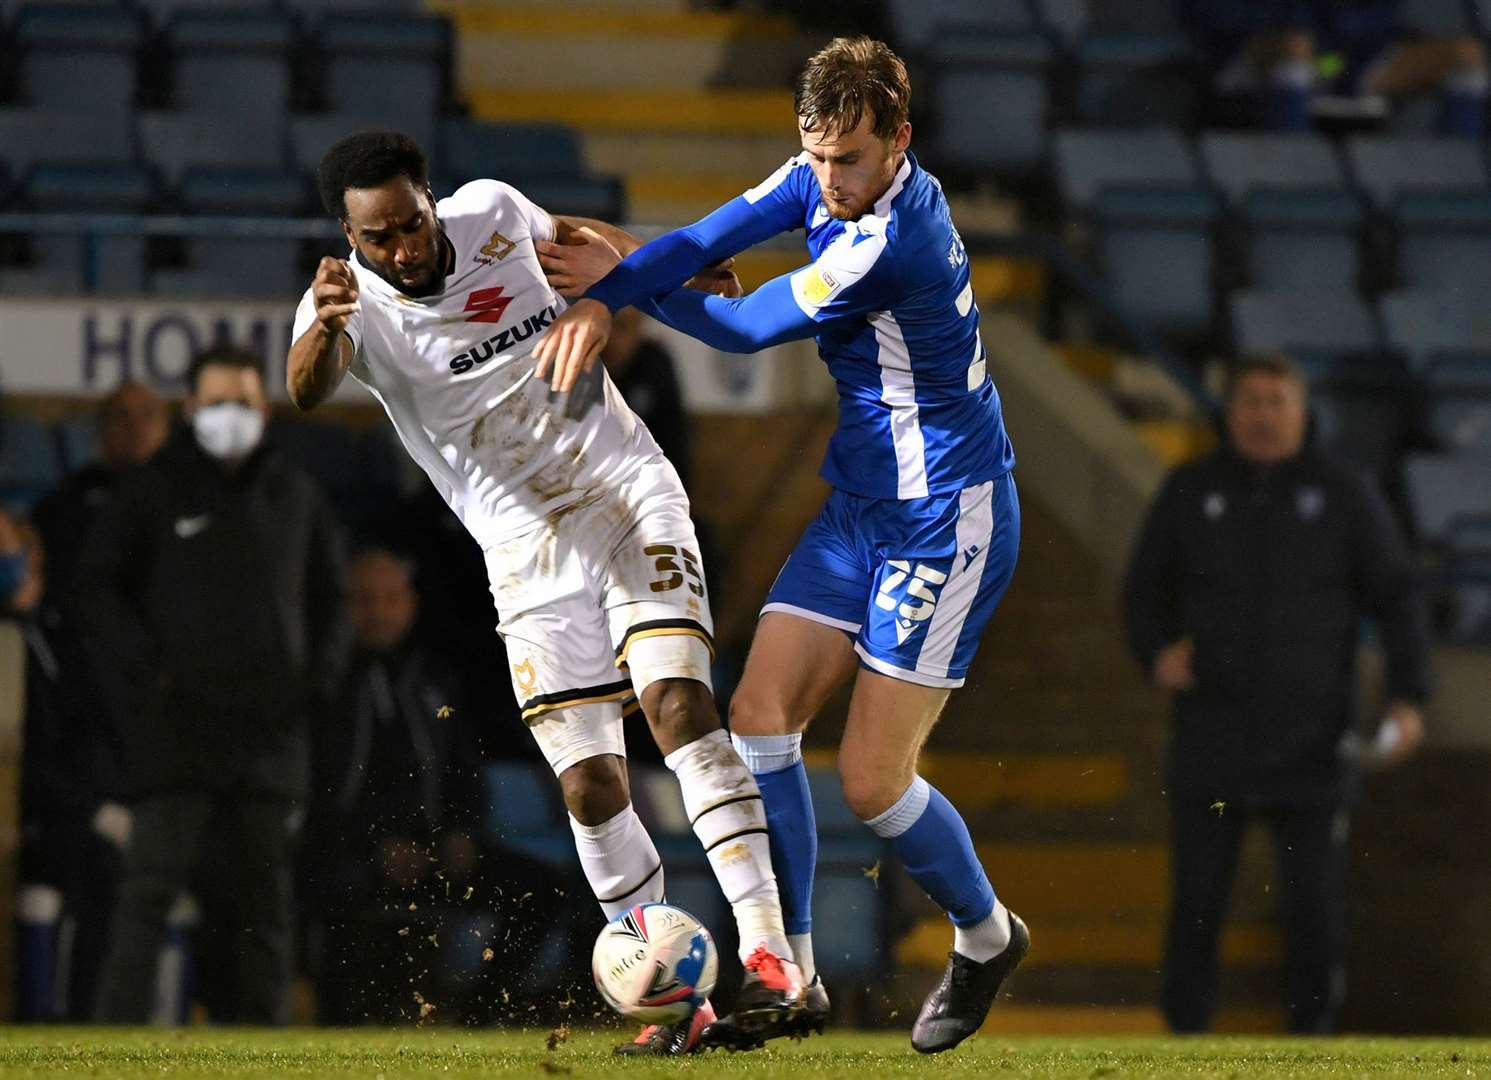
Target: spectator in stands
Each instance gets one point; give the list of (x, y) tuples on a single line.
[(133, 422), (1244, 600), (73, 822), (1275, 55), (395, 797), (211, 592)]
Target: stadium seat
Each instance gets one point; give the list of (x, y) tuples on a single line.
[(174, 142), (1333, 322), (1466, 574), (311, 136), (77, 436), (77, 57), (1444, 240), (1443, 488), (28, 136), (523, 813), (1303, 239), (1074, 18), (235, 55), (1088, 161), (541, 160), (1135, 79), (1422, 326), (1436, 18), (1458, 389), (100, 262), (916, 24), (1387, 167), (1154, 248), (1238, 163), (385, 64), (989, 100), (28, 462)]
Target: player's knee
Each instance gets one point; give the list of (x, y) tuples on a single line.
[(868, 794), (595, 789), (679, 711), (753, 714)]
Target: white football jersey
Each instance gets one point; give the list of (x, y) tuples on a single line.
[(454, 372)]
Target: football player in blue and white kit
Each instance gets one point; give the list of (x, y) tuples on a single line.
[(895, 580)]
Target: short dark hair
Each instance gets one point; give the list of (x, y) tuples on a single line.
[(365, 160), (848, 77), (1278, 364), (222, 356)]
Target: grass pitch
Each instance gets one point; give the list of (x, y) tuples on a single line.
[(447, 1052)]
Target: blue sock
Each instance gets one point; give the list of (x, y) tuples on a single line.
[(776, 762), (933, 843)]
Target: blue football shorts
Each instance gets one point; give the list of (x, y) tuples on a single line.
[(915, 581)]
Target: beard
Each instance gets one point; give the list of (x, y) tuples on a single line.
[(846, 210)]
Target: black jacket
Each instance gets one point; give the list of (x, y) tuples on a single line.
[(1270, 572), (212, 603)]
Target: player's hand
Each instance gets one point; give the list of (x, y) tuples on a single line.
[(569, 347), (114, 823), (573, 268), (719, 279), (334, 289), (1172, 666)]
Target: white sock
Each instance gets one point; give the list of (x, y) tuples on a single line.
[(802, 952), (725, 809), (620, 862), (986, 939)]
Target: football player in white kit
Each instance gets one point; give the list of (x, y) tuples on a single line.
[(590, 551)]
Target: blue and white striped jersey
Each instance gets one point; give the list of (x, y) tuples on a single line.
[(889, 300)]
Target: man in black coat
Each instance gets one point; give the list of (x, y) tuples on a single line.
[(211, 592), (1245, 598)]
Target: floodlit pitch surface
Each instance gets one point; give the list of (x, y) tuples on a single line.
[(449, 1052)]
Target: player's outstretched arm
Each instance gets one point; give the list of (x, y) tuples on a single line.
[(319, 358), (583, 255), (768, 316)]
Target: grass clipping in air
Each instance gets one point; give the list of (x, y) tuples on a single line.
[(448, 1052)]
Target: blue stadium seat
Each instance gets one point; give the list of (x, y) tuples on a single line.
[(975, 69), (1089, 161), (1466, 573), (916, 24), (1444, 240), (102, 262), (1154, 249), (1458, 389), (541, 160), (1481, 10), (1238, 163), (1422, 326), (1135, 79), (311, 136), (1438, 18), (523, 813), (28, 462), (28, 136), (1303, 239), (233, 265), (231, 56), (78, 57), (1387, 167), (174, 142), (386, 64), (849, 937), (1320, 322), (1443, 488), (77, 436)]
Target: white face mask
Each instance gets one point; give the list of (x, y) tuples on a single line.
[(228, 430)]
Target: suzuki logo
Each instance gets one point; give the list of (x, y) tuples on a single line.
[(488, 304)]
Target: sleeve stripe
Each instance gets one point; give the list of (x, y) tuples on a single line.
[(772, 182)]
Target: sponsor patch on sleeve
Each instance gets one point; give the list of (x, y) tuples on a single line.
[(814, 286)]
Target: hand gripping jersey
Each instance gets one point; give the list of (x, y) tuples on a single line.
[(888, 298), (455, 375)]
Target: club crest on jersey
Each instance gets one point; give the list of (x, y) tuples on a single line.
[(495, 250), (504, 339)]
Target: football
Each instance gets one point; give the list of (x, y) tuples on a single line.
[(655, 963)]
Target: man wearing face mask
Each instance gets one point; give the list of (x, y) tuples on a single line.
[(1245, 599), (212, 595)]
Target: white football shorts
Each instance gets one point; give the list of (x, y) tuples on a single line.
[(575, 596)]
